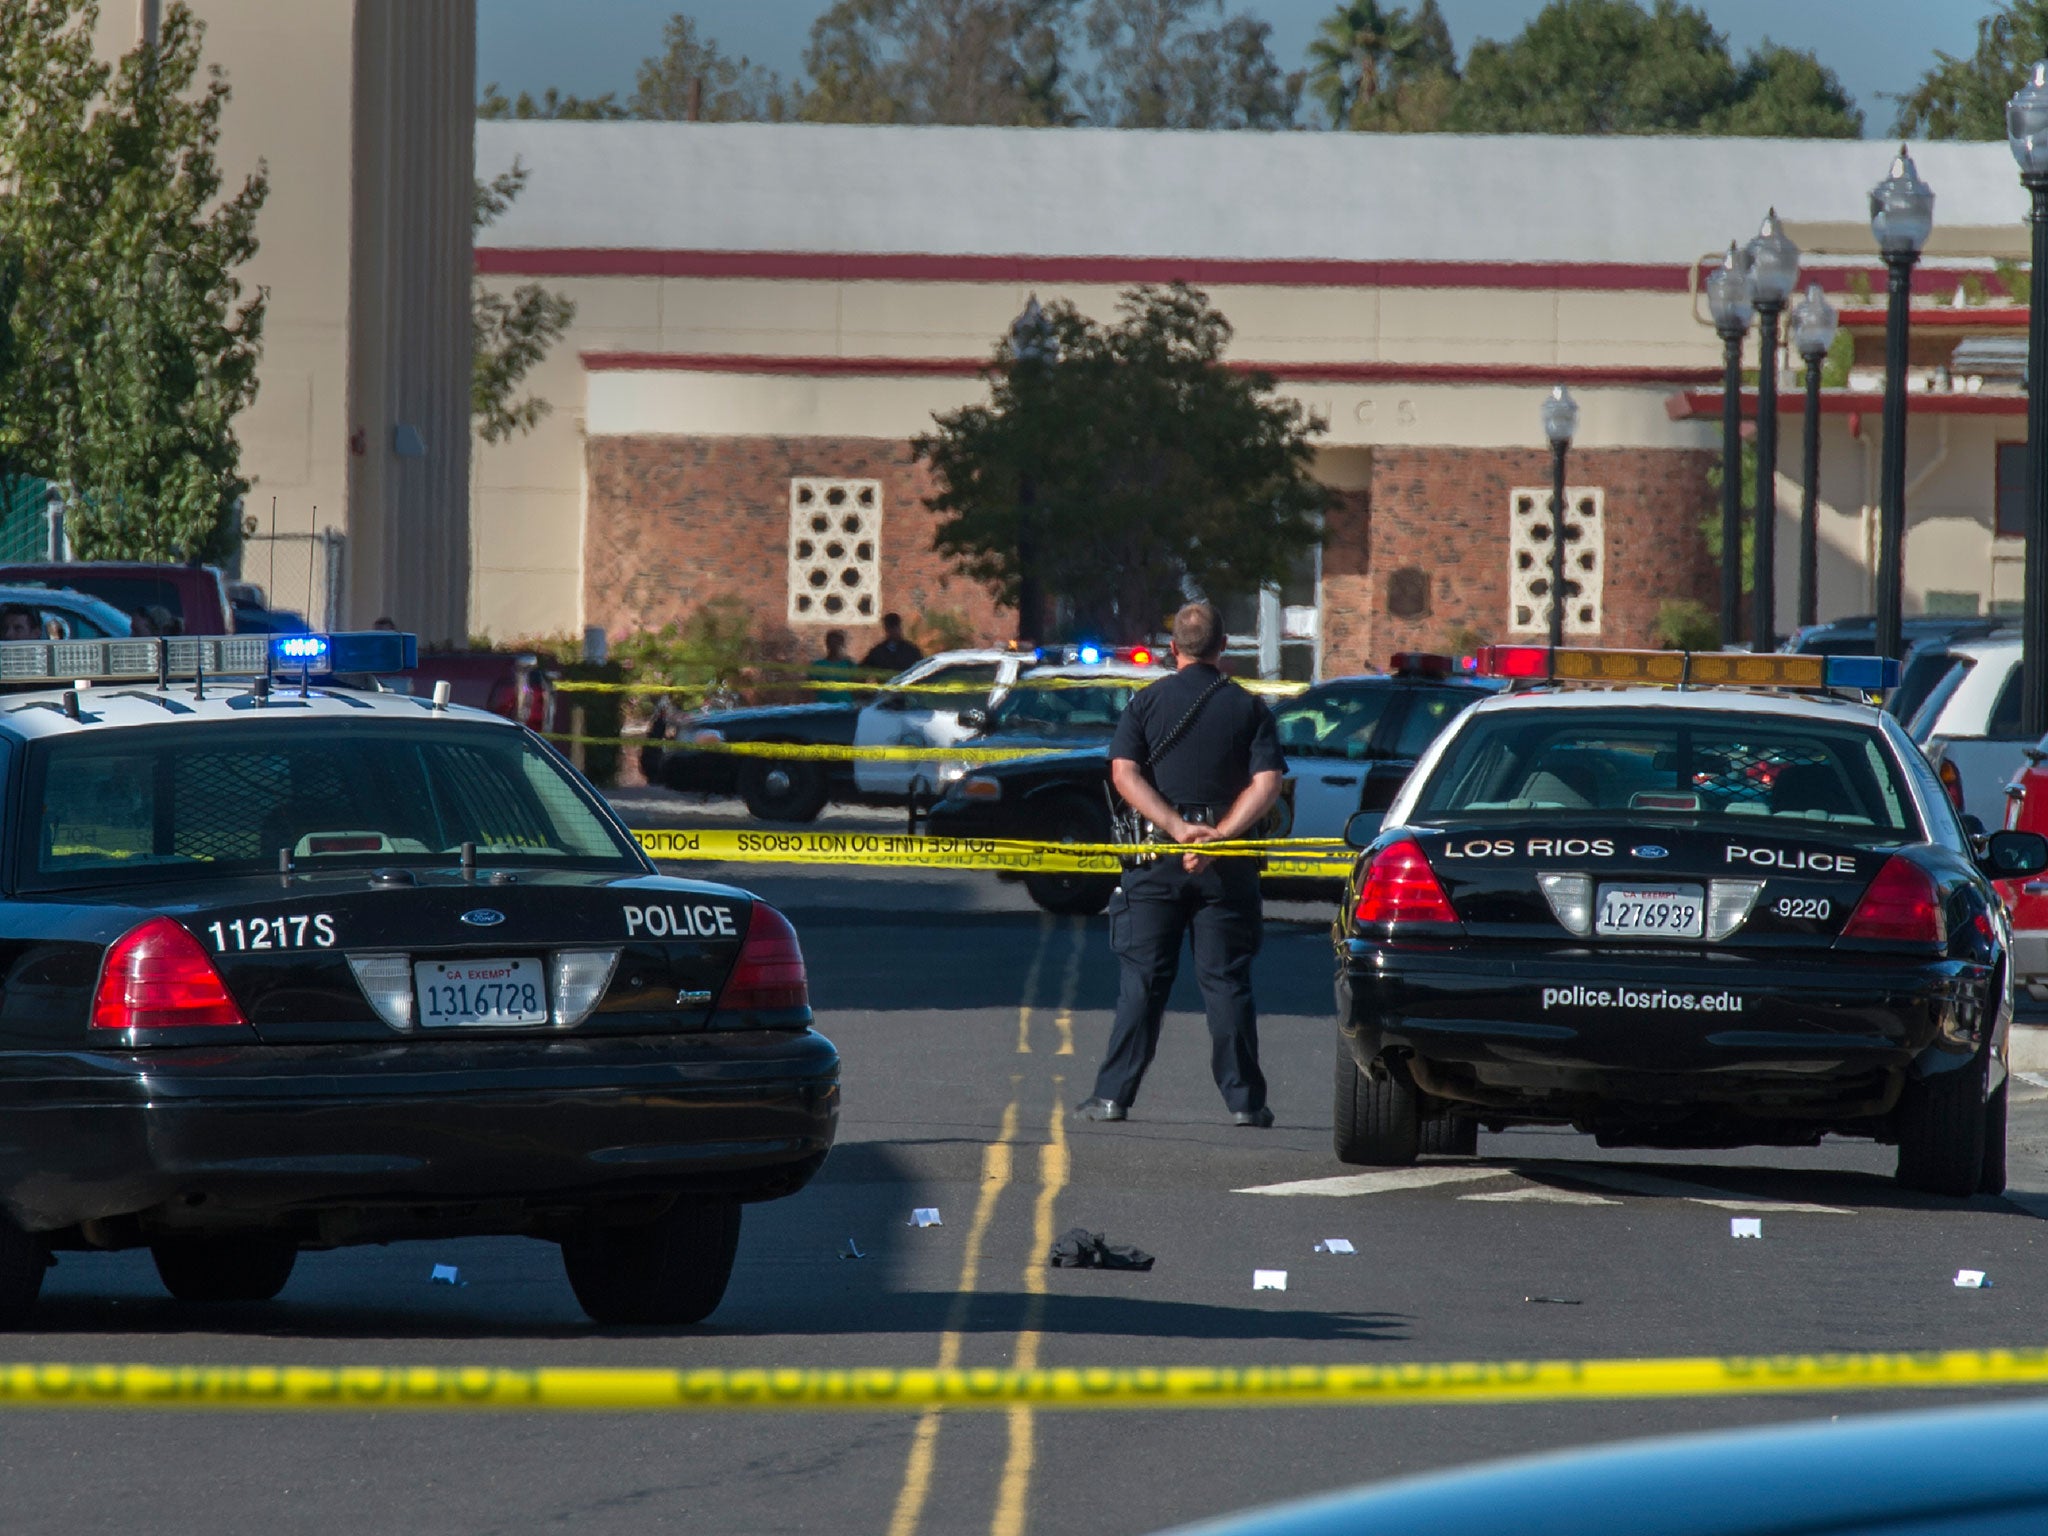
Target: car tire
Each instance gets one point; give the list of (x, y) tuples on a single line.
[(1942, 1124), (1071, 819), (783, 789), (1449, 1136), (23, 1258), (669, 1271), (1991, 1175), (224, 1268), (1378, 1120)]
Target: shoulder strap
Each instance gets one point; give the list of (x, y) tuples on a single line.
[(1174, 737)]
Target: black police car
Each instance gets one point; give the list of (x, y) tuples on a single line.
[(289, 965), (1690, 918)]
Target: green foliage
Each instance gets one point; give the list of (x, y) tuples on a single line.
[(1156, 67), (1685, 624), (1965, 98), (942, 629), (714, 645), (690, 80), (1000, 62), (510, 333), (2017, 279), (1369, 65), (552, 106), (1859, 287), (1148, 462), (1609, 66), (1834, 368), (135, 349)]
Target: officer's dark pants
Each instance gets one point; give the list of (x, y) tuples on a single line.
[(1159, 906)]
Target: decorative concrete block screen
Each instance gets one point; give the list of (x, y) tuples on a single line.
[(1585, 557), (835, 551)]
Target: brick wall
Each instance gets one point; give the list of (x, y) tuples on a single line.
[(1439, 546), (676, 521)]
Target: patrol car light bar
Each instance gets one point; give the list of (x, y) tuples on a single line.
[(54, 663), (1695, 669)]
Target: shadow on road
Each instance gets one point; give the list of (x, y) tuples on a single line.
[(1137, 1317)]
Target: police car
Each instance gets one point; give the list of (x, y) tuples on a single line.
[(294, 965), (1675, 914)]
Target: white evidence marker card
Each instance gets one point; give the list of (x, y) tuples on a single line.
[(925, 1216), (1745, 1226), (1335, 1245), (1269, 1279)]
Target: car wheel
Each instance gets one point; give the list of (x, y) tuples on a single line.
[(1991, 1176), (1378, 1120), (224, 1268), (23, 1258), (779, 789), (1449, 1136), (673, 1270), (1942, 1123), (1071, 820)]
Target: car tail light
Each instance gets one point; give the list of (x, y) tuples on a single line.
[(157, 977), (769, 974), (1401, 889), (1901, 905), (1952, 781)]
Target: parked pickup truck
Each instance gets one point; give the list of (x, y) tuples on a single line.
[(176, 599)]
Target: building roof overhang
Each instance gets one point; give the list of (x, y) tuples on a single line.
[(1706, 404)]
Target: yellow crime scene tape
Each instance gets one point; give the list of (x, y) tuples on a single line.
[(1271, 686), (811, 750), (550, 1389), (1325, 858)]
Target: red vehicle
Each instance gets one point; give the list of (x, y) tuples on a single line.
[(178, 599), (513, 684), (2026, 810)]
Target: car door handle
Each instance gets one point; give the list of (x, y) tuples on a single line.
[(1340, 779), (2034, 888)]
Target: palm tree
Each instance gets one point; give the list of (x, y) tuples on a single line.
[(1364, 49)]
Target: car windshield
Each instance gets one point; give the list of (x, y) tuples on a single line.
[(1336, 720), (1065, 709), (223, 799), (1815, 775)]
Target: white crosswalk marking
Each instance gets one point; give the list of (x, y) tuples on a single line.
[(1384, 1182), (1630, 1182), (1544, 1194)]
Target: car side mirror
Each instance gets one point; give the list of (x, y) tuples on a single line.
[(2015, 855), (1364, 828), (974, 719)]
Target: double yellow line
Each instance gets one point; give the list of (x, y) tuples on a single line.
[(997, 1169)]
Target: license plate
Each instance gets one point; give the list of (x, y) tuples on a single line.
[(458, 992), (1655, 911)]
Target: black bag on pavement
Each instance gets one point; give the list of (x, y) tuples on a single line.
[(1081, 1249)]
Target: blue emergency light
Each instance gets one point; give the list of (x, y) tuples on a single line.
[(1872, 674), (145, 658)]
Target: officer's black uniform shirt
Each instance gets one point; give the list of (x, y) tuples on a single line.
[(895, 655), (1231, 739)]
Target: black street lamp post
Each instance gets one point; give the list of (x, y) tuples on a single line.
[(1728, 303), (1773, 276), (1560, 423), (1901, 217), (2026, 130), (1813, 333), (1032, 347)]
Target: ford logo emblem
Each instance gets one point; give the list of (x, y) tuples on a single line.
[(1646, 851), (483, 917)]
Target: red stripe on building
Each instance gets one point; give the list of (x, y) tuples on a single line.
[(1691, 405), (829, 266), (1313, 373)]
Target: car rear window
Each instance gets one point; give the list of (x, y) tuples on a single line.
[(1333, 721), (176, 801), (1049, 711), (1818, 775)]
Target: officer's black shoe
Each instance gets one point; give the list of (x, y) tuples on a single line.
[(1260, 1118), (1099, 1109)]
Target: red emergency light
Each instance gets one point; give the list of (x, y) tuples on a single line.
[(1514, 661), (1140, 656)]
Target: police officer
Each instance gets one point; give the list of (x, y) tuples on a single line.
[(1197, 757)]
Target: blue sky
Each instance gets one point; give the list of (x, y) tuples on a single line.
[(590, 46)]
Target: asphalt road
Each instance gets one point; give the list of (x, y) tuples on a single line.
[(969, 1024)]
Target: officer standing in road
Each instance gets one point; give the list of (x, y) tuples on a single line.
[(1198, 757)]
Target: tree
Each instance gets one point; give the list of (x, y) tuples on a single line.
[(510, 332), (997, 62), (1965, 98), (1151, 462), (552, 105), (1608, 66), (135, 347), (1155, 68), (691, 81), (1366, 55)]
